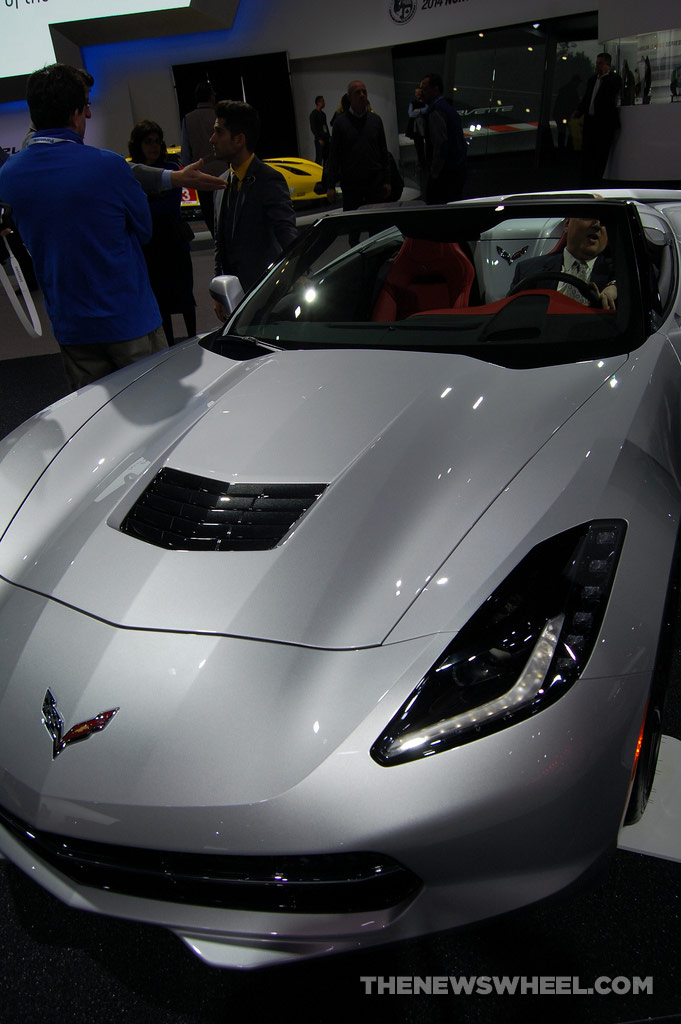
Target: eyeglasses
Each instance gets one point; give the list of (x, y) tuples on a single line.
[(153, 140)]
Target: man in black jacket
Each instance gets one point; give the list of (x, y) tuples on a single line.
[(254, 216), (359, 154), (445, 144), (320, 130), (583, 257), (600, 107), (197, 127)]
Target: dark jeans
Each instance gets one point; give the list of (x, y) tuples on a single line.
[(362, 192), (206, 204), (447, 187), (320, 151), (596, 142)]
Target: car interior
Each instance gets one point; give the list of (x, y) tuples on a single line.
[(442, 279)]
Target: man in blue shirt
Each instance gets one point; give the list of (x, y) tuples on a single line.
[(84, 219)]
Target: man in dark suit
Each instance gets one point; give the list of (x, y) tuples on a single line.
[(254, 216), (583, 257), (445, 144), (600, 108), (320, 130)]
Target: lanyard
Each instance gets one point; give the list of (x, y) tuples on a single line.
[(48, 140)]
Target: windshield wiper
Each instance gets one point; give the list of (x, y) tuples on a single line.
[(238, 346)]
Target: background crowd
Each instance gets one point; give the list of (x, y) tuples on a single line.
[(115, 265)]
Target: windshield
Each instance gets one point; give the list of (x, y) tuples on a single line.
[(488, 281)]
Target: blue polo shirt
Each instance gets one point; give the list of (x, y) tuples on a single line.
[(83, 217)]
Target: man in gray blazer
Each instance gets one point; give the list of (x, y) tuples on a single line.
[(197, 128), (254, 216), (157, 179)]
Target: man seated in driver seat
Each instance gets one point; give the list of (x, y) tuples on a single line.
[(582, 257)]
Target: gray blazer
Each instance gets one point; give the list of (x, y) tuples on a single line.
[(148, 177)]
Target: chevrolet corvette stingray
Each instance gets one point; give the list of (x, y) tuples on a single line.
[(349, 622)]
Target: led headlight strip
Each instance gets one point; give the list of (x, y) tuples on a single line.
[(518, 653)]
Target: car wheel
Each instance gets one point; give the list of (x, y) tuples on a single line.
[(667, 667), (647, 762)]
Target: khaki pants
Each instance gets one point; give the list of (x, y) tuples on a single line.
[(84, 364)]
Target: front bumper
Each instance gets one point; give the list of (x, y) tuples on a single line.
[(190, 769)]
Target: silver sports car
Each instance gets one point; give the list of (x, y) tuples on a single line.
[(348, 622)]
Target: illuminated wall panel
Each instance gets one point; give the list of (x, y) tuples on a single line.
[(35, 32)]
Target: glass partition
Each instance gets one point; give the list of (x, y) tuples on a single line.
[(497, 80), (510, 85), (649, 65)]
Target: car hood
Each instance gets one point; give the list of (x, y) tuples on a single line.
[(413, 448)]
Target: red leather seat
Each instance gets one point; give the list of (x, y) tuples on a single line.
[(560, 244), (424, 275)]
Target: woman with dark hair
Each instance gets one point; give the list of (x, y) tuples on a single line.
[(342, 108), (168, 254)]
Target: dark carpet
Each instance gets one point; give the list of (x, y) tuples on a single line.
[(26, 386)]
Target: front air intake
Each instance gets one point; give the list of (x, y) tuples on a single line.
[(326, 883), (185, 512)]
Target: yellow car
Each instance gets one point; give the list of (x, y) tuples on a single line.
[(303, 177)]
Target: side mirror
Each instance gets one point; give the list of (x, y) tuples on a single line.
[(654, 235), (227, 289)]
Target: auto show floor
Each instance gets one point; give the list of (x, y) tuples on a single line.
[(63, 965)]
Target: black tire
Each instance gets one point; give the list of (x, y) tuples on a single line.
[(647, 763)]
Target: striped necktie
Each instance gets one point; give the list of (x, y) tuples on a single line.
[(578, 269)]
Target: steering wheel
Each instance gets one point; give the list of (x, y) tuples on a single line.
[(584, 287)]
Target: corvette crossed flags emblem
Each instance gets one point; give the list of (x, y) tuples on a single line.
[(54, 723), (512, 257)]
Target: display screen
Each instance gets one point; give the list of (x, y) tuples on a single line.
[(25, 26)]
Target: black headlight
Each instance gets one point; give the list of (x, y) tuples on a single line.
[(519, 653)]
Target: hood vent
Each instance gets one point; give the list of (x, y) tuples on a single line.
[(192, 513)]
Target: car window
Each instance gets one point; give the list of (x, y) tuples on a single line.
[(451, 279), (512, 240)]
